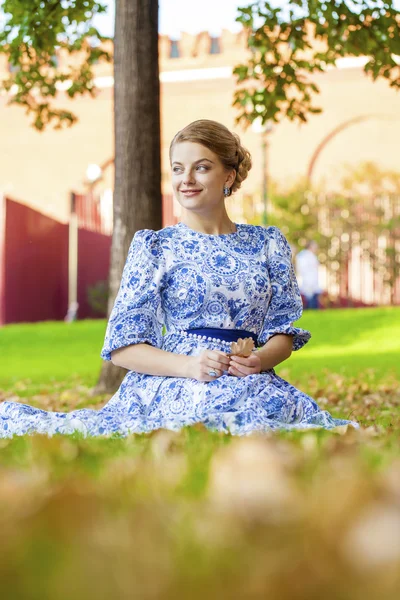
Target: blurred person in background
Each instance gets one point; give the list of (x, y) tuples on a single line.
[(307, 267)]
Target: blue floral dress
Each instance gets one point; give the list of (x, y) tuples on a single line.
[(175, 280)]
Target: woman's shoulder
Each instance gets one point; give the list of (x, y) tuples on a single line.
[(145, 237), (271, 237), (265, 231), (154, 239), (167, 232), (147, 241)]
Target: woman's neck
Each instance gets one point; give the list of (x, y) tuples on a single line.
[(209, 224)]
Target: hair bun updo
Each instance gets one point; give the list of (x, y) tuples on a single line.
[(244, 164)]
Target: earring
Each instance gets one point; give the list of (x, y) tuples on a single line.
[(227, 191)]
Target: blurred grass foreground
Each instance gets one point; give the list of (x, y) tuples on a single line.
[(196, 514)]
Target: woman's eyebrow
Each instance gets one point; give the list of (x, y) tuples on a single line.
[(195, 162)]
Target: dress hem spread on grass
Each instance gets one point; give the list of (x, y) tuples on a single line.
[(183, 279)]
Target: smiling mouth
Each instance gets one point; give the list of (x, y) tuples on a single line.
[(190, 192)]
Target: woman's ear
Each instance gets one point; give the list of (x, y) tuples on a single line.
[(230, 179)]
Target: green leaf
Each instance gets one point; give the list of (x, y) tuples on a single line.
[(359, 28), (31, 39)]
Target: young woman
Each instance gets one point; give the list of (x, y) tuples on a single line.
[(186, 293)]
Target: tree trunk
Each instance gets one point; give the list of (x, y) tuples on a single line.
[(137, 189)]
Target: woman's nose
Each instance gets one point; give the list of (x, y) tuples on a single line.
[(188, 177)]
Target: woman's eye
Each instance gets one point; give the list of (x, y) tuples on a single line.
[(176, 169), (202, 167)]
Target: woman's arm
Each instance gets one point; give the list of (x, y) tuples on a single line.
[(147, 359), (144, 358), (276, 350)]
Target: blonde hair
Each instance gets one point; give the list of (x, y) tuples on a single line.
[(224, 143)]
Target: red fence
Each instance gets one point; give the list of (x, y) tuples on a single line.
[(169, 218), (93, 265), (34, 258), (361, 238), (94, 213), (34, 265)]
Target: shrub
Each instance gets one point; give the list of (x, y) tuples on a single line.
[(97, 295)]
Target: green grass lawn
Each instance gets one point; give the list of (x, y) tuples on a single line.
[(350, 341), (346, 341), (195, 514)]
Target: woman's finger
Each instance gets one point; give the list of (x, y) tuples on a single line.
[(213, 364), (239, 370), (211, 369), (241, 360), (235, 372), (253, 363), (219, 357)]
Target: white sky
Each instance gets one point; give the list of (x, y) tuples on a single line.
[(191, 16)]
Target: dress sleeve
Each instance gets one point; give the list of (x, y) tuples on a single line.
[(137, 315), (285, 305)]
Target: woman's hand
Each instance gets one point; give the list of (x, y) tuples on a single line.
[(241, 367), (199, 367)]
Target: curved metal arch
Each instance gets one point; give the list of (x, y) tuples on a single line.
[(339, 128)]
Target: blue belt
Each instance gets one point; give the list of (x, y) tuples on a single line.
[(226, 335)]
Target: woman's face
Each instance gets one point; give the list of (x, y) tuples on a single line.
[(198, 177)]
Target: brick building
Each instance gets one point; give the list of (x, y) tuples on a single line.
[(41, 169)]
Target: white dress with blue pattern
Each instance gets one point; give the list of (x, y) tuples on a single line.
[(180, 279)]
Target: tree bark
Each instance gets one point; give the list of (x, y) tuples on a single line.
[(137, 188)]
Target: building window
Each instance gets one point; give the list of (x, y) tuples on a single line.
[(215, 47), (174, 49)]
